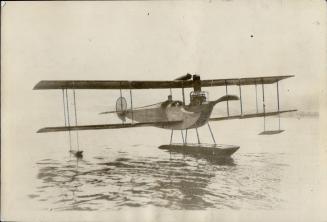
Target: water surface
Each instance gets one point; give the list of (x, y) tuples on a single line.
[(138, 175)]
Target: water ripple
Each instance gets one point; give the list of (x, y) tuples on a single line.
[(249, 181)]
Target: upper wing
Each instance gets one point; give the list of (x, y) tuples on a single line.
[(104, 126), (243, 81), (90, 84)]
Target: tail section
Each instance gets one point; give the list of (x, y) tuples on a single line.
[(225, 98), (121, 108)]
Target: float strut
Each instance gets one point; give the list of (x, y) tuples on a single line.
[(182, 136), (213, 138), (197, 134), (171, 136)]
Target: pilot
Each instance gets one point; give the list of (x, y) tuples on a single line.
[(168, 101)]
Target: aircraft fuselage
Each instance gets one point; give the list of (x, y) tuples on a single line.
[(191, 116)]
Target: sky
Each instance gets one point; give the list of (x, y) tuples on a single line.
[(156, 41), (163, 40)]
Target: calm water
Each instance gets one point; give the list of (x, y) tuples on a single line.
[(128, 170)]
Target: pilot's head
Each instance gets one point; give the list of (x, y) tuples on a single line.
[(170, 97)]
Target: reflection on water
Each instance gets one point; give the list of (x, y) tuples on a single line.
[(173, 181)]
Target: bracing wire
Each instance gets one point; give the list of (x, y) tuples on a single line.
[(77, 138)]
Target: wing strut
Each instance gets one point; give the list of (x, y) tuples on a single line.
[(121, 101), (240, 89), (183, 93), (227, 100), (131, 97), (65, 100), (278, 105), (256, 97), (77, 139), (270, 132), (68, 121), (263, 114), (264, 107)]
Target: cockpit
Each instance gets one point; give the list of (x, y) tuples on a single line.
[(171, 102), (198, 97)]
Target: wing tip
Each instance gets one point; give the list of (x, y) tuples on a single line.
[(40, 131), (38, 85), (45, 130), (50, 130)]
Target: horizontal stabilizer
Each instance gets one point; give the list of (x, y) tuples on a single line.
[(252, 115), (105, 126), (226, 98)]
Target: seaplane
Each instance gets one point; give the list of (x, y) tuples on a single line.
[(173, 115)]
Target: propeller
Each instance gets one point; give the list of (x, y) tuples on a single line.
[(197, 83), (188, 76), (195, 78)]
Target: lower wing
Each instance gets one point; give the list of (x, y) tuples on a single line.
[(105, 126), (252, 115)]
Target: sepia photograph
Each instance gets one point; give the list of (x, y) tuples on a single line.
[(164, 110)]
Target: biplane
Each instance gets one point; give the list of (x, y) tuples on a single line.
[(173, 115)]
